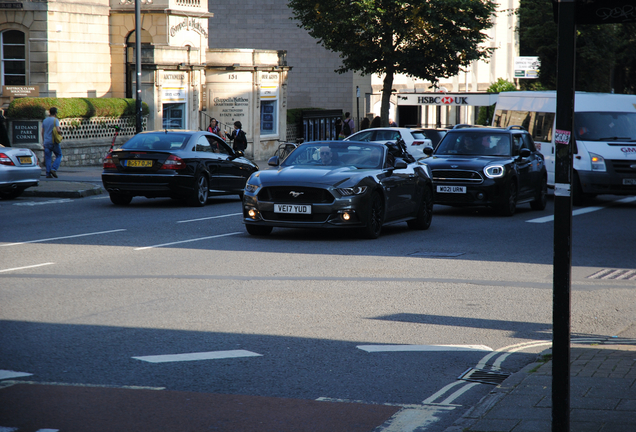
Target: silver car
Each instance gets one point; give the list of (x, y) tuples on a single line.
[(19, 169), (415, 139)]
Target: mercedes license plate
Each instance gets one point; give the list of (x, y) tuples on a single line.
[(24, 160), (292, 208), (630, 182), (138, 163), (451, 189)]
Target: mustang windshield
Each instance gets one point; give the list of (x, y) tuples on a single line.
[(360, 156), (156, 141), (474, 144)]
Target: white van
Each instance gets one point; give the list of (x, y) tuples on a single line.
[(604, 131)]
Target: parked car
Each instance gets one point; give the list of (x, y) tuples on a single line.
[(340, 185), (19, 169), (415, 139), (188, 165), (494, 167)]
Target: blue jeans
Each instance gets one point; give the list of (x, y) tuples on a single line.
[(49, 149)]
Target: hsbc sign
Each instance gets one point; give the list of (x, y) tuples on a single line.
[(445, 99)]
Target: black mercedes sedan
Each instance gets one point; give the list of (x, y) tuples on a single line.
[(490, 167), (187, 165), (340, 185)]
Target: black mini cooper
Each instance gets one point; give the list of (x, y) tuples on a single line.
[(491, 167)]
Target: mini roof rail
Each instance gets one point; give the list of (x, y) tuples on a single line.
[(464, 126), (515, 127)]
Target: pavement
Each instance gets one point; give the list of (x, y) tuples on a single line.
[(602, 387)]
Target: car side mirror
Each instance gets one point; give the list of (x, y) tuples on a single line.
[(428, 151), (400, 164), (273, 161), (239, 153), (524, 153)]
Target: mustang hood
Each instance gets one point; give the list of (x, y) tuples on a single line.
[(294, 175)]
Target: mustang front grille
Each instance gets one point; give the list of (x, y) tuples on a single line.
[(295, 195)]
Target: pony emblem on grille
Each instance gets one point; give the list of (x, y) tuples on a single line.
[(296, 194)]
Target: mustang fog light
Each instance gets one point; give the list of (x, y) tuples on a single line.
[(480, 196), (253, 214), (346, 216)]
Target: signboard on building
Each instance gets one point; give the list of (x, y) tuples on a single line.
[(447, 99), (527, 67), (14, 91), (184, 30), (173, 88), (25, 132)]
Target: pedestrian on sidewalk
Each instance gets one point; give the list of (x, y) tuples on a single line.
[(50, 147), (238, 137), (348, 125)]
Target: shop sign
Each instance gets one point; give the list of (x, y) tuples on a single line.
[(527, 67), (25, 132), (230, 108), (173, 94), (15, 91), (447, 99)]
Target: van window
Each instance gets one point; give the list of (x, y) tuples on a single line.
[(604, 126), (539, 124)]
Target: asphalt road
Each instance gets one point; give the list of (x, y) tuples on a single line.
[(157, 295)]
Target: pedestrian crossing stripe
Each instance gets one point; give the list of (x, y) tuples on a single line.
[(210, 355)]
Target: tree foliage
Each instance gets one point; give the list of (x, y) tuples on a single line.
[(485, 113), (605, 55), (427, 39)]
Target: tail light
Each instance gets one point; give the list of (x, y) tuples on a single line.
[(5, 160), (108, 162), (418, 143), (173, 163)]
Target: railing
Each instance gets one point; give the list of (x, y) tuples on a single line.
[(98, 127)]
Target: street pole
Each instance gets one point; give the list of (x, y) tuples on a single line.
[(562, 272), (358, 106), (138, 64)]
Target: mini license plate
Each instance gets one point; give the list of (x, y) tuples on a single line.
[(292, 208), (25, 160), (451, 189), (631, 182), (138, 163)]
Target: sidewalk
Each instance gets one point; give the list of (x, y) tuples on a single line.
[(602, 395)]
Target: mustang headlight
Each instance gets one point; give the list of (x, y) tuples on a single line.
[(251, 188), (358, 190), (494, 171), (598, 163)]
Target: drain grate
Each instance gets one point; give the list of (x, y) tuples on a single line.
[(484, 376), (436, 254), (614, 274)]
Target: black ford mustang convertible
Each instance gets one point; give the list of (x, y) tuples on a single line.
[(340, 184)]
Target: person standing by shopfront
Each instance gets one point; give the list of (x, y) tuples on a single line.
[(349, 121), (238, 137), (50, 147)]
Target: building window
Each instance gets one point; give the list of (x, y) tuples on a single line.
[(269, 119), (13, 57)]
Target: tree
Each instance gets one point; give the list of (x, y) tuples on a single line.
[(485, 113), (427, 39), (605, 57)]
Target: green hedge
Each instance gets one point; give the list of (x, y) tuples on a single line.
[(35, 108)]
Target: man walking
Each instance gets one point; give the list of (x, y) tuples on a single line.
[(51, 147)]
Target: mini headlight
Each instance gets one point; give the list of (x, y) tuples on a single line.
[(358, 190), (494, 171), (598, 163)]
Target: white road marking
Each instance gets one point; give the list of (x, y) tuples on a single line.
[(187, 241), (431, 348), (211, 355), (211, 217), (36, 203), (6, 374), (415, 419), (62, 238), (25, 267), (580, 211), (449, 400), (438, 394), (482, 363)]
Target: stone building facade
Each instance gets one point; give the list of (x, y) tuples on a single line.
[(86, 48)]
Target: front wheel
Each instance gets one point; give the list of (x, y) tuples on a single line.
[(120, 199), (258, 230), (509, 202), (201, 190), (374, 218), (542, 196), (424, 213)]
